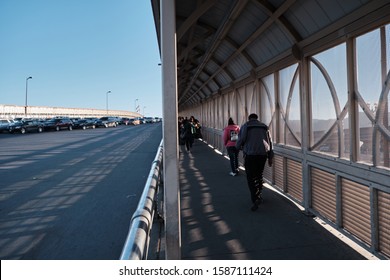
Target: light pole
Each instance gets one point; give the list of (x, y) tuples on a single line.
[(25, 108), (107, 93), (144, 111), (135, 104)]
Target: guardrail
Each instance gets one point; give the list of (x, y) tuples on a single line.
[(137, 242)]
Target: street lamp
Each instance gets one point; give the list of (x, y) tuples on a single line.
[(144, 111), (25, 108), (136, 105), (107, 93)]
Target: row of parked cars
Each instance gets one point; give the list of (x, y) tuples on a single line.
[(24, 125)]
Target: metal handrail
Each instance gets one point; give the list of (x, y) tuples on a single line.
[(137, 242)]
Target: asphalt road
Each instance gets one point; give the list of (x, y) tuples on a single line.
[(69, 195)]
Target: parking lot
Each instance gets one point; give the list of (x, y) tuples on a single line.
[(30, 125), (71, 194)]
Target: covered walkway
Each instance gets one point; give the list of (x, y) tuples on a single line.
[(217, 223), (317, 73)]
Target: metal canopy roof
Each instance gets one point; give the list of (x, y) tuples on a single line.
[(222, 42)]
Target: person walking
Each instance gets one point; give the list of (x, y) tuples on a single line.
[(230, 136), (255, 141), (186, 134)]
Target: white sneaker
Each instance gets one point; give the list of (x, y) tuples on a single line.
[(232, 174)]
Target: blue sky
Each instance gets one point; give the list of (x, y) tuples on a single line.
[(76, 51)]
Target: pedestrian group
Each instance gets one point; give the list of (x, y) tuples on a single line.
[(252, 138)]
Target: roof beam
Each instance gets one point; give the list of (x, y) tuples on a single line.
[(193, 18), (228, 22), (279, 12), (269, 9)]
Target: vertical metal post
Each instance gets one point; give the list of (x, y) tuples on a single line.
[(170, 130), (277, 118), (305, 99), (353, 110), (385, 104), (277, 107)]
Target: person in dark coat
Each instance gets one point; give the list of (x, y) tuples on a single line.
[(187, 135), (255, 142)]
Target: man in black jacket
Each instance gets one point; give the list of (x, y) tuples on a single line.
[(254, 139)]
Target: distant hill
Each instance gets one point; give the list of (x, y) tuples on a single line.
[(324, 125)]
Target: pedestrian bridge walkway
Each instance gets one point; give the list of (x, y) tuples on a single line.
[(217, 222)]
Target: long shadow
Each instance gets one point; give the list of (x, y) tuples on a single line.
[(217, 222), (47, 161), (75, 202), (46, 143)]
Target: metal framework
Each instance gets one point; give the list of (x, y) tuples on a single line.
[(239, 57)]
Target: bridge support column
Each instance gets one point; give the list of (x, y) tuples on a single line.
[(170, 130)]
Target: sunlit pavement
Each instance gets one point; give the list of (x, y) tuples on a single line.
[(217, 222)]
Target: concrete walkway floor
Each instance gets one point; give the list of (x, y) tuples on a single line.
[(217, 222)]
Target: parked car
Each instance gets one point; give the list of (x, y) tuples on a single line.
[(107, 122), (134, 121), (4, 124), (84, 123), (118, 120), (25, 126), (149, 120), (94, 120), (125, 121), (58, 123)]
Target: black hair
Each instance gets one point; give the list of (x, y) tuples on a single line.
[(253, 116)]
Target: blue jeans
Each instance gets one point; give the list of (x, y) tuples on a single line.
[(233, 156)]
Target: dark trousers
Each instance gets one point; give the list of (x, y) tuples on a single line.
[(189, 140), (233, 156), (254, 167)]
